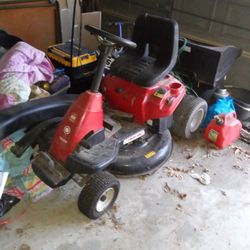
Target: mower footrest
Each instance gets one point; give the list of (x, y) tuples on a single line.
[(49, 170), (91, 160)]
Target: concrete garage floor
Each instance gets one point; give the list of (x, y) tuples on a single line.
[(148, 214)]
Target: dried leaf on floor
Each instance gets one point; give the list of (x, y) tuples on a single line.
[(177, 172), (178, 207), (240, 151), (205, 170), (238, 167), (101, 221), (24, 247), (190, 153), (112, 216), (196, 164), (175, 192), (223, 193), (20, 232)]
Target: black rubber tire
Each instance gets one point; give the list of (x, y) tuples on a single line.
[(93, 191), (208, 96), (185, 114)]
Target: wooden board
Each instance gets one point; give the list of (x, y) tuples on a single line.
[(35, 22)]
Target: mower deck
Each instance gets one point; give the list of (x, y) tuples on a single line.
[(128, 151), (143, 156)]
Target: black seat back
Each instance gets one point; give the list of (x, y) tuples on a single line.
[(156, 52), (160, 35)]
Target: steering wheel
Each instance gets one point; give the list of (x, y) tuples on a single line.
[(110, 37)]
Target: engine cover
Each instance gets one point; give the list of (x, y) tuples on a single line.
[(144, 103)]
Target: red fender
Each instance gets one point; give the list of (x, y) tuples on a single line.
[(84, 115)]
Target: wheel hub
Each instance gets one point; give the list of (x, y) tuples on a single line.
[(105, 199), (196, 121)]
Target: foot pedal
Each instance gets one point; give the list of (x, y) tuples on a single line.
[(49, 170), (91, 160)]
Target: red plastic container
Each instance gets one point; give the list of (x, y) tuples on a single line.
[(223, 130)]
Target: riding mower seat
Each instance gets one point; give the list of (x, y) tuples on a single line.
[(155, 55)]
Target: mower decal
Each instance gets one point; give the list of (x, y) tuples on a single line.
[(73, 117), (133, 101), (150, 154), (109, 62), (159, 94), (134, 137), (63, 140), (67, 130)]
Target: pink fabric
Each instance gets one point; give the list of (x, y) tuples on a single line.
[(27, 63), (6, 101)]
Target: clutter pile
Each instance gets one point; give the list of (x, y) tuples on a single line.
[(25, 74), (20, 67)]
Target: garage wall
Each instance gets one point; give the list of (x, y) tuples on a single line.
[(130, 9)]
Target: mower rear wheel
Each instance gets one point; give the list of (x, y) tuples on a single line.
[(98, 195), (208, 96), (189, 115)]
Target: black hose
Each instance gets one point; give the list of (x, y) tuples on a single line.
[(80, 34), (72, 33)]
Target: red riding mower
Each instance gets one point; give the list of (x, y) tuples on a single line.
[(132, 138)]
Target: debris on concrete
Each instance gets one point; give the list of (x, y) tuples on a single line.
[(216, 154), (189, 156), (24, 247), (223, 193), (210, 150), (173, 191), (203, 178), (182, 170), (101, 221), (179, 207), (177, 172), (118, 224), (3, 227), (143, 177), (19, 232), (109, 218), (240, 151), (196, 164), (238, 167), (190, 153), (205, 170)]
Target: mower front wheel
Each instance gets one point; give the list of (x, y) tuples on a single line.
[(98, 195), (189, 115)]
